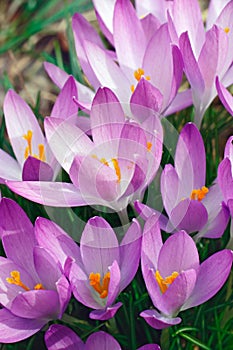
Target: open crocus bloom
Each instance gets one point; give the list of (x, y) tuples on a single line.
[(112, 170), (106, 267), (61, 337), (34, 159), (174, 277), (190, 205), (33, 290), (140, 64)]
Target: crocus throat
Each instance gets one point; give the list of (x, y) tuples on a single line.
[(199, 194), (28, 149), (138, 74), (164, 283), (100, 287), (115, 164), (15, 279)]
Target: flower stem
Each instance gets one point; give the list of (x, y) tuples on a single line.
[(123, 215)]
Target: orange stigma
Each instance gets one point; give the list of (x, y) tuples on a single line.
[(15, 279), (28, 149), (164, 283), (101, 288), (149, 146), (117, 169), (199, 194), (226, 30)]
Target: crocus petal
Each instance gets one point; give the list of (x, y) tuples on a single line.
[(114, 284), (108, 72), (17, 232), (145, 100), (56, 74), (177, 72), (103, 341), (225, 96), (98, 246), (64, 105), (61, 337), (19, 119), (130, 249), (225, 179), (214, 9), (36, 304), (169, 187), (145, 212), (105, 314), (81, 288), (36, 170), (107, 116), (188, 215), (179, 253), (149, 347), (44, 263), (82, 31), (57, 194), (228, 152), (150, 24), (66, 140), (64, 294), (9, 168), (211, 277), (104, 12), (56, 241), (14, 329), (190, 162), (181, 101), (158, 321)]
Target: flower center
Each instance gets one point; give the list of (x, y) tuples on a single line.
[(138, 74), (115, 164), (164, 283), (15, 279), (199, 194), (99, 286), (28, 149), (226, 30)]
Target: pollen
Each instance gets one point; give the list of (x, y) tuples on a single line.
[(149, 146), (164, 283), (138, 74), (199, 194), (28, 149), (101, 287), (117, 169), (226, 30), (16, 280)]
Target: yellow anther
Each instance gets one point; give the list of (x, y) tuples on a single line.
[(164, 283), (149, 146), (132, 88), (138, 73), (104, 161), (147, 77), (38, 286), (226, 30), (199, 194), (15, 279), (28, 149), (117, 169), (101, 288)]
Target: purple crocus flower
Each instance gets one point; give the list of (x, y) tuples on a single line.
[(33, 288), (34, 160), (112, 170), (190, 205), (140, 70), (106, 267), (61, 337), (174, 278)]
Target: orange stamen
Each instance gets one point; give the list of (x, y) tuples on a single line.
[(101, 288), (199, 194), (117, 169), (28, 149), (149, 146), (15, 279), (226, 30), (164, 283)]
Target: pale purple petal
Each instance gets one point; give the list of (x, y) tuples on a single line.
[(64, 105), (169, 187), (61, 337), (105, 314), (101, 341), (19, 120), (149, 347), (179, 253), (214, 10), (64, 294), (158, 321), (212, 275), (36, 304), (114, 284), (228, 152), (225, 96), (98, 246), (104, 12), (9, 168), (14, 329), (56, 74), (177, 72), (181, 101), (130, 251), (50, 236), (145, 212), (56, 194), (150, 24), (225, 179), (36, 170)]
